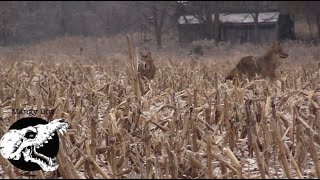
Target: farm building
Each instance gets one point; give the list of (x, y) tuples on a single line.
[(238, 27)]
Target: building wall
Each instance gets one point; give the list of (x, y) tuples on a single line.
[(230, 33), (245, 6), (245, 33), (191, 32)]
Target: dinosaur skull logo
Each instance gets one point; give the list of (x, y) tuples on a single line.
[(32, 143)]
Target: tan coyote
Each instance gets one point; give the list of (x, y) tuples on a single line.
[(147, 68), (264, 65)]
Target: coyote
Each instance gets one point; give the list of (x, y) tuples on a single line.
[(147, 68), (264, 65)]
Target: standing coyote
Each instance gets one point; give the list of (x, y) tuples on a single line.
[(147, 68), (264, 65)]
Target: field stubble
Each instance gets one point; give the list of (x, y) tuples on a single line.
[(190, 123)]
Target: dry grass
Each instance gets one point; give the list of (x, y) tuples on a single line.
[(188, 124)]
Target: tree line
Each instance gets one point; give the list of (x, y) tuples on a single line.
[(31, 21)]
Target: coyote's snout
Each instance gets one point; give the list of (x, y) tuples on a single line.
[(277, 49), (264, 65), (147, 68)]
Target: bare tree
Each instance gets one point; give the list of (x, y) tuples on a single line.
[(158, 14), (45, 20), (318, 25), (310, 10), (253, 9), (203, 11), (6, 32), (158, 17), (63, 18)]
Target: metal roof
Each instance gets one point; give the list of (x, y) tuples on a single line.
[(266, 17), (248, 18), (191, 19)]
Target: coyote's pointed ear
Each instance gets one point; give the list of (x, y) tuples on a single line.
[(141, 54), (275, 43), (149, 54)]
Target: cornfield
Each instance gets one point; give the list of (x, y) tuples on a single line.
[(188, 122)]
